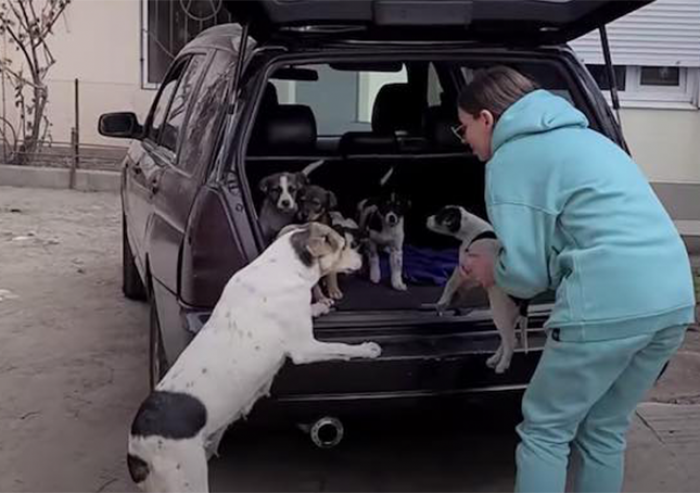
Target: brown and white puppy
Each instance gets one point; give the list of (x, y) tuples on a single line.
[(316, 204), (262, 318), (279, 207)]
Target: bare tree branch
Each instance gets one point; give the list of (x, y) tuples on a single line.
[(19, 43)]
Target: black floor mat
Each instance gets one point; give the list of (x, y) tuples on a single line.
[(361, 294)]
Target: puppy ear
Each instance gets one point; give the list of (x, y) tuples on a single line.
[(302, 179), (331, 200), (264, 184), (323, 240)]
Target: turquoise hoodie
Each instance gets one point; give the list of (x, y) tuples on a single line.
[(576, 215)]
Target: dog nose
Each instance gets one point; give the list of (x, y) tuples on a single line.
[(286, 203), (391, 219)]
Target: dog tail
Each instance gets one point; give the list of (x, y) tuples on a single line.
[(309, 168)]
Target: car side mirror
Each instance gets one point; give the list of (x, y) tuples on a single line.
[(123, 125)]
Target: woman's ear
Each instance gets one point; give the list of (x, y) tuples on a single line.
[(488, 118)]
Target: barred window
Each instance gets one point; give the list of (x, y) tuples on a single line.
[(168, 25)]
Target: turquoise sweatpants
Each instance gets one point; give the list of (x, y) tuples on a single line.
[(584, 394)]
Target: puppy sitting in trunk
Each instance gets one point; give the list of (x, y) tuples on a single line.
[(279, 207), (477, 237), (382, 221), (262, 318)]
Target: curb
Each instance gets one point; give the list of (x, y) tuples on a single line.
[(36, 177)]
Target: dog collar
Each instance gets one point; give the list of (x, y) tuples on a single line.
[(486, 234)]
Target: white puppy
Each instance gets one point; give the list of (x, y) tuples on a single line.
[(477, 237), (262, 318)]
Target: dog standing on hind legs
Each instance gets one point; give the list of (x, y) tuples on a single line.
[(478, 238), (262, 318)]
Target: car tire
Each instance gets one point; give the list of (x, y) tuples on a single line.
[(132, 285), (157, 362)]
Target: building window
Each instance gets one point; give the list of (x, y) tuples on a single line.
[(660, 76), (642, 86), (168, 25), (600, 74)]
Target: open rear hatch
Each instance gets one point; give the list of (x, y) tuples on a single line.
[(537, 22)]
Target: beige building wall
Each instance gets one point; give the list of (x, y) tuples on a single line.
[(99, 43)]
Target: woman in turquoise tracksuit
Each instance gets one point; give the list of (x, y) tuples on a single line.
[(575, 214)]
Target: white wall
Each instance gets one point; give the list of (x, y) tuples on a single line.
[(97, 42)]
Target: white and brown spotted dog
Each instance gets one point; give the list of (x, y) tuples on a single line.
[(262, 318), (477, 237)]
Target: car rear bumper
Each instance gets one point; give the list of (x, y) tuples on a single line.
[(421, 364)]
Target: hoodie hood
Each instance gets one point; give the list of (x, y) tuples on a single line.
[(540, 111)]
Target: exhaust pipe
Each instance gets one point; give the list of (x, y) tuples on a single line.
[(327, 432)]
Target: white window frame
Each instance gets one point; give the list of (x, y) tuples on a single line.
[(145, 83), (684, 96)]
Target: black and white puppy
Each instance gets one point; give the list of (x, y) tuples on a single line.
[(382, 221), (279, 207), (262, 318), (477, 237)]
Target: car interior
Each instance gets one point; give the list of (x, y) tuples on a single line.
[(397, 131)]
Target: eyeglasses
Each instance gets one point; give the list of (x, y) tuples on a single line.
[(458, 130)]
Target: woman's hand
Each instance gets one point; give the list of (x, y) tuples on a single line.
[(479, 267)]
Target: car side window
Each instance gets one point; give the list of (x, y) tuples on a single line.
[(200, 131), (160, 107), (178, 109)]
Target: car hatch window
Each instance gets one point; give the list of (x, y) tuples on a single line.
[(200, 130), (178, 109), (160, 107)]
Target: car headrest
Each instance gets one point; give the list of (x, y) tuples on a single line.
[(366, 143), (269, 98), (289, 127), (396, 109), (438, 123)]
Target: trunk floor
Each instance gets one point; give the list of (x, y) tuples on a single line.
[(361, 294)]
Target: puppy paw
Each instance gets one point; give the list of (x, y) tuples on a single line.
[(335, 293), (399, 285), (375, 276), (441, 308), (502, 367), (320, 308), (493, 361), (370, 349)]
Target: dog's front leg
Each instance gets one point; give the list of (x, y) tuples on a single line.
[(332, 285), (396, 263), (455, 281), (315, 351)]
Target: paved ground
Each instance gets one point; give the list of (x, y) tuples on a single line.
[(73, 365)]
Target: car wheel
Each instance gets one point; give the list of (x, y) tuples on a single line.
[(158, 364), (132, 285)]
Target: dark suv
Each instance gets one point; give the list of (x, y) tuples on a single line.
[(365, 86)]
